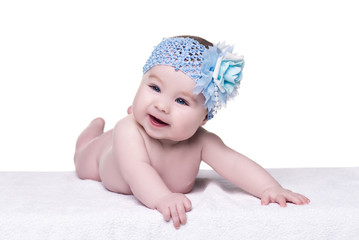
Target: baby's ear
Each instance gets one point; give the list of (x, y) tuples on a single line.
[(205, 120)]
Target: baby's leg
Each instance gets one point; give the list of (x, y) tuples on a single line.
[(88, 147), (95, 129)]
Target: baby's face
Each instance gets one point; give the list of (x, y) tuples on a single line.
[(165, 105)]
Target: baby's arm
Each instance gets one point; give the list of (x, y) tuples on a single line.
[(144, 181), (246, 174)]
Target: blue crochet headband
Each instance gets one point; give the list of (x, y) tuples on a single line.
[(216, 71)]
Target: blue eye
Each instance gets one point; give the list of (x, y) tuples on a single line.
[(181, 101), (155, 88)]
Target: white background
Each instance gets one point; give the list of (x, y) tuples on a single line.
[(63, 63)]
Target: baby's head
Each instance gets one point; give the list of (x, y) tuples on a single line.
[(214, 69)]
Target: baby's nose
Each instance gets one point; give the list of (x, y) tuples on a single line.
[(162, 106)]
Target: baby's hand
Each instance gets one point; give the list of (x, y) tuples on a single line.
[(282, 196), (175, 206)]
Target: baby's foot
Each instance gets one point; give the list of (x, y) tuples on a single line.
[(129, 110), (93, 130)]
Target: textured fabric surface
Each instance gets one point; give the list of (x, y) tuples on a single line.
[(57, 205)]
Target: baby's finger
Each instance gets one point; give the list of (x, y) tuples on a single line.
[(298, 199), (175, 217), (187, 205), (182, 214), (166, 214), (265, 200), (304, 199), (281, 201)]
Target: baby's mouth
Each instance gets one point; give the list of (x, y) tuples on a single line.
[(157, 122)]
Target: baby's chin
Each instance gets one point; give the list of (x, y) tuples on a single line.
[(170, 139)]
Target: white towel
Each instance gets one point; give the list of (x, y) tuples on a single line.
[(58, 205)]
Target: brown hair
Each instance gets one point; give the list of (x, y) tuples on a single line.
[(202, 41)]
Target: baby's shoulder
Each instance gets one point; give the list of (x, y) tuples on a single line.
[(205, 136), (127, 126)]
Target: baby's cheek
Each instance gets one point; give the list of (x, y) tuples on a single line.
[(188, 130)]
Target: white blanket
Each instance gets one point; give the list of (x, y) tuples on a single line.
[(58, 205)]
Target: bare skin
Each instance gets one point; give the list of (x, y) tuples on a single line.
[(155, 152)]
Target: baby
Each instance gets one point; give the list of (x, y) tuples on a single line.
[(155, 152)]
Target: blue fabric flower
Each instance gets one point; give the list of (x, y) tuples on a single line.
[(222, 73)]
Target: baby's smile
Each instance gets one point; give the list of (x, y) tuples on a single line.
[(157, 122)]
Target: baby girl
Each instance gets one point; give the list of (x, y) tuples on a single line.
[(155, 151)]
